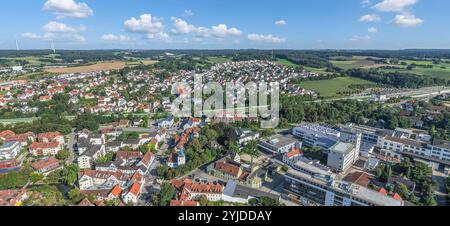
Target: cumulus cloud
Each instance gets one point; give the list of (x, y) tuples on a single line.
[(68, 8), (115, 38), (222, 31), (149, 26), (372, 30), (181, 27), (55, 31), (394, 5), (145, 24), (265, 38), (56, 27), (407, 20), (370, 18), (280, 22)]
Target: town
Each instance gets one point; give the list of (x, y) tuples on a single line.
[(114, 142)]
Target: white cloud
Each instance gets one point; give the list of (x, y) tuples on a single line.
[(265, 38), (280, 22), (372, 30), (407, 20), (31, 35), (115, 38), (394, 5), (188, 13), (146, 24), (55, 31), (222, 31), (370, 18), (357, 38), (56, 27), (68, 8), (366, 3), (181, 27)]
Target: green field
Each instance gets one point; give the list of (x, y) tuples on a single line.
[(219, 60), (353, 63), (331, 88), (286, 63), (441, 70), (33, 60)]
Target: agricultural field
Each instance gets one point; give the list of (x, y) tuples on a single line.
[(440, 70), (353, 62), (219, 60), (31, 60), (330, 88), (286, 63), (114, 65)]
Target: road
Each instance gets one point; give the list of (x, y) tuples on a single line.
[(71, 141), (441, 193)]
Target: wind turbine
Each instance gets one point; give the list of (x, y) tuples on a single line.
[(17, 44), (53, 47)]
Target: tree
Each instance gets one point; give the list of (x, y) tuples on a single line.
[(402, 190), (166, 194), (203, 200), (70, 174), (63, 154), (251, 149), (36, 177), (75, 196)]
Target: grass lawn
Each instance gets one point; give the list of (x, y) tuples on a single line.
[(219, 60), (330, 88), (286, 63)]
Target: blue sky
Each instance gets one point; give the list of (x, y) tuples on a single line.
[(212, 24)]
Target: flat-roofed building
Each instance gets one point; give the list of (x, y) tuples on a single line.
[(278, 144), (342, 156), (318, 187)]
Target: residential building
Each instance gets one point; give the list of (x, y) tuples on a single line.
[(10, 150), (46, 165), (45, 149)]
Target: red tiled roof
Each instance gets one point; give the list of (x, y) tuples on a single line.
[(41, 164), (383, 191), (128, 154), (227, 168), (37, 145), (49, 135), (7, 133), (397, 197), (116, 191), (183, 203), (135, 189), (294, 152)]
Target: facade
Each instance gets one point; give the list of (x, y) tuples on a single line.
[(245, 135), (45, 149), (342, 156), (10, 150), (317, 187), (46, 166)]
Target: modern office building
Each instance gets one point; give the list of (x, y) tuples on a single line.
[(313, 186)]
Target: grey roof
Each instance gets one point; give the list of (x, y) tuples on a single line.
[(114, 144), (131, 141), (92, 150), (233, 189)]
